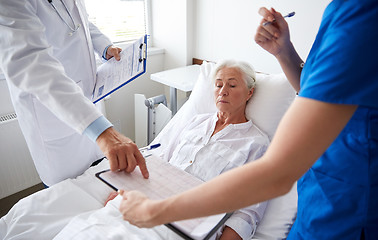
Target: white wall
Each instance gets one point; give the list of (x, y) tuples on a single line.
[(173, 30), (216, 29), (226, 29)]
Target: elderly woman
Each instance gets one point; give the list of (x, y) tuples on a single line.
[(209, 145), (216, 142)]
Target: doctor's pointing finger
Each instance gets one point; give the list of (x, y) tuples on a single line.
[(121, 152)]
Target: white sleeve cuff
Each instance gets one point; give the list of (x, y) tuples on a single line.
[(240, 226)]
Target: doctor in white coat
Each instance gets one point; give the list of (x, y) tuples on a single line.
[(47, 56)]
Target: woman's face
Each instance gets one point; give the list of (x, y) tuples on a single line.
[(231, 92)]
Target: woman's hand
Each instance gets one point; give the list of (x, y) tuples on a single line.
[(273, 37), (111, 196), (229, 234), (138, 210)]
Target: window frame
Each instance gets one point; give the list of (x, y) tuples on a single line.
[(148, 26)]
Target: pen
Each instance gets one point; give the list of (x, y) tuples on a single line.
[(286, 16), (150, 147)]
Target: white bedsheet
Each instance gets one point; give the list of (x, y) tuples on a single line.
[(46, 212), (107, 223), (74, 209)]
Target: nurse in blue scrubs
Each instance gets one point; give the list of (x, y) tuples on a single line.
[(338, 195), (327, 140)]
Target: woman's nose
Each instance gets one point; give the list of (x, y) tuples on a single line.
[(223, 91)]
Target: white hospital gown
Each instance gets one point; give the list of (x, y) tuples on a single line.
[(204, 156)]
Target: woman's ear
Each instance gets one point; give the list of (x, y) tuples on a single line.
[(250, 93)]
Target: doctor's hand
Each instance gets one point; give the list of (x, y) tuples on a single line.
[(139, 210), (113, 52), (273, 37), (121, 152)]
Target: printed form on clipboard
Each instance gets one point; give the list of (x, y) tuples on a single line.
[(114, 74), (166, 180)]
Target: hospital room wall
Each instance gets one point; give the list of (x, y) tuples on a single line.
[(172, 30), (120, 106), (216, 29), (226, 29)]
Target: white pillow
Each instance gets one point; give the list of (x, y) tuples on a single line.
[(273, 95)]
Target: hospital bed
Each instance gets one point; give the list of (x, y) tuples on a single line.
[(46, 212)]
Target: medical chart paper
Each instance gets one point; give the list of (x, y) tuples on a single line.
[(166, 180), (114, 74)]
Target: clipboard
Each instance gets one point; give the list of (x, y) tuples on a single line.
[(164, 181), (113, 74)]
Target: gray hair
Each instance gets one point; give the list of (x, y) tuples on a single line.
[(248, 73)]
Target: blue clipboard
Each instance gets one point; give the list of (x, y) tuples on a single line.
[(112, 75)]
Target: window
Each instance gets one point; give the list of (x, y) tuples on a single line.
[(120, 20)]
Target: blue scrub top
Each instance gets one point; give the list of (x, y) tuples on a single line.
[(338, 196)]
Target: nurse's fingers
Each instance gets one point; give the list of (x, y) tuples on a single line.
[(280, 23), (259, 39), (266, 14), (275, 23), (121, 191), (263, 33), (280, 20)]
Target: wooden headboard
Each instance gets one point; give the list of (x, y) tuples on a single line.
[(197, 61)]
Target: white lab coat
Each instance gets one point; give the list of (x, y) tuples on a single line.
[(51, 76)]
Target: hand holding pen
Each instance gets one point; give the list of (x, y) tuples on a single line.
[(286, 16), (273, 31), (273, 35)]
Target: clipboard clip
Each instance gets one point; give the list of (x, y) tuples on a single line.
[(142, 52)]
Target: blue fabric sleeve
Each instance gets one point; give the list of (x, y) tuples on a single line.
[(104, 53), (342, 66), (97, 127)]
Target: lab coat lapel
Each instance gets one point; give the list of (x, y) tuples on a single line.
[(83, 17)]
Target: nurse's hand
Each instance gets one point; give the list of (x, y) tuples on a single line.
[(113, 52), (121, 152), (274, 37), (139, 210)]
